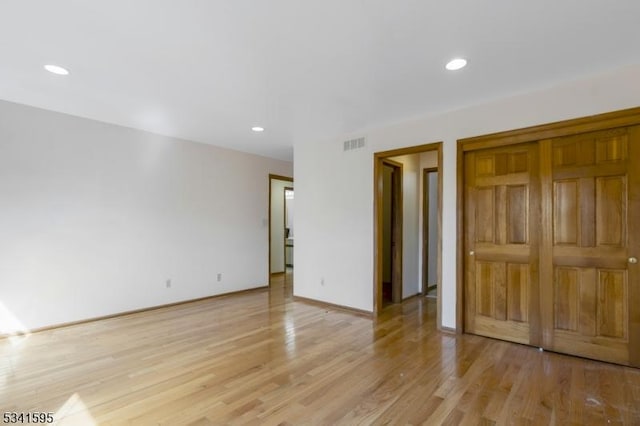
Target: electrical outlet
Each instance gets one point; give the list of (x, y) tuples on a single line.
[(219, 277), (168, 283), (322, 281)]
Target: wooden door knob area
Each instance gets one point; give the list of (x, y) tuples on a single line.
[(633, 260)]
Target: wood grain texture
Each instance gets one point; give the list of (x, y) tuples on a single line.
[(607, 120), (571, 155), (262, 358), (634, 248), (397, 223), (591, 219), (585, 299), (502, 254)]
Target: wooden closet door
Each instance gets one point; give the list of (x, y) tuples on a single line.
[(590, 288), (501, 282)]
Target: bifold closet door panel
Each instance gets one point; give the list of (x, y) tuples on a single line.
[(501, 243), (589, 281)]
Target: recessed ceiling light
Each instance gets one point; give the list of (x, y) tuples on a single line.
[(456, 64), (55, 69), (257, 129)]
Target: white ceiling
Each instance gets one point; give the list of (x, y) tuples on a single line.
[(209, 70)]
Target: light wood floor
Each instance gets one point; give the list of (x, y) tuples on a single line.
[(261, 358)]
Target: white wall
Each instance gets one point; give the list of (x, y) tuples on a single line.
[(334, 224), (94, 218), (432, 223), (277, 224), (411, 237), (387, 222), (429, 160)]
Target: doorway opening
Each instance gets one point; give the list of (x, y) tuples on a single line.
[(288, 229), (430, 232), (278, 241), (407, 224)]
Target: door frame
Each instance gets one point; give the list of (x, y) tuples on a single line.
[(609, 120), (273, 177), (425, 227), (397, 221), (378, 159)]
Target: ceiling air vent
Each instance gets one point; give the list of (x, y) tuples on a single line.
[(353, 144)]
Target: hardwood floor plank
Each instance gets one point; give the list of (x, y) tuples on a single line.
[(261, 358)]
